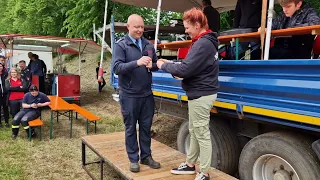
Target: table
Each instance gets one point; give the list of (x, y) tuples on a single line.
[(61, 107)]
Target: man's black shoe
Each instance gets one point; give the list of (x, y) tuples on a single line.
[(150, 162), (134, 167)]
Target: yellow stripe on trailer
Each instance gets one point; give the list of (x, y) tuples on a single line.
[(283, 115), (166, 95)]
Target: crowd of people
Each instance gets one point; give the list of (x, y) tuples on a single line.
[(199, 71), (17, 94)]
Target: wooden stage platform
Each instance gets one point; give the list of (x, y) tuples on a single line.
[(111, 150)]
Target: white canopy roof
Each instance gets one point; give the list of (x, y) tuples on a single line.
[(180, 5)]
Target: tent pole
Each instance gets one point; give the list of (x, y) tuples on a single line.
[(100, 74), (79, 65), (263, 25), (157, 25), (268, 37)]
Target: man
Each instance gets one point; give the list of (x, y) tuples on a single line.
[(25, 72), (31, 104), (103, 83), (37, 68), (296, 13), (3, 61), (248, 15), (133, 60), (212, 15)]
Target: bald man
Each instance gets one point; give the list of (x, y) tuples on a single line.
[(133, 61)]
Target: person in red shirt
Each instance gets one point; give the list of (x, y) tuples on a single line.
[(16, 87)]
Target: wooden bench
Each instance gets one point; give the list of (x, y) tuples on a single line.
[(91, 118), (35, 123)]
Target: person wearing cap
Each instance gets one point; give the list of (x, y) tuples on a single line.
[(31, 104)]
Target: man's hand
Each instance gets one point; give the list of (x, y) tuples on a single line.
[(34, 106), (149, 66), (144, 61), (159, 64)]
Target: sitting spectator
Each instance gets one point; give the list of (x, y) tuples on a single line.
[(3, 96), (296, 13), (16, 87), (31, 104)]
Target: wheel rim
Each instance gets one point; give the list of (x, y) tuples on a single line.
[(270, 166)]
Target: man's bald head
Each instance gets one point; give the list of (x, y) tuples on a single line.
[(135, 26)]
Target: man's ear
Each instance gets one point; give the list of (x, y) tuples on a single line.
[(299, 4)]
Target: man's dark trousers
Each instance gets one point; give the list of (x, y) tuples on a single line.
[(139, 109)]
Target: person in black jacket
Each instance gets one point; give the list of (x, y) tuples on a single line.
[(296, 13), (16, 87), (212, 15), (248, 15), (133, 61), (199, 70), (3, 96)]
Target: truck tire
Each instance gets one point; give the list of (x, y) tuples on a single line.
[(279, 155), (225, 153)]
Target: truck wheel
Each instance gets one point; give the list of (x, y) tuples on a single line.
[(279, 156), (225, 154)]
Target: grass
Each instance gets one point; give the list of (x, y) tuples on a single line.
[(60, 158)]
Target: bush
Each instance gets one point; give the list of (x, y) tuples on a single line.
[(69, 57)]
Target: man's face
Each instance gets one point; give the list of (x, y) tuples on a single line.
[(34, 93), (22, 65), (30, 55), (2, 60), (290, 8), (136, 28)]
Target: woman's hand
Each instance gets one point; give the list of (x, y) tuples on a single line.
[(159, 64)]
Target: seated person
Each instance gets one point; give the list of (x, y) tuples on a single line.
[(247, 15), (31, 104), (296, 13)]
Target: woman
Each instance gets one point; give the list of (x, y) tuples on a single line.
[(3, 96), (16, 87), (199, 71)]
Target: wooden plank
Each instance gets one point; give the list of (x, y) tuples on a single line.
[(111, 147)]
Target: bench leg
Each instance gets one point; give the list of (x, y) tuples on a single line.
[(40, 133), (76, 115), (29, 133), (57, 116), (51, 124), (95, 127), (87, 126), (71, 117)]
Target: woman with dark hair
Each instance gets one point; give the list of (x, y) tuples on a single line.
[(16, 87), (199, 71), (3, 96)]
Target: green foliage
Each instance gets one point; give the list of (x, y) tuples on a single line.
[(69, 57), (75, 18)]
